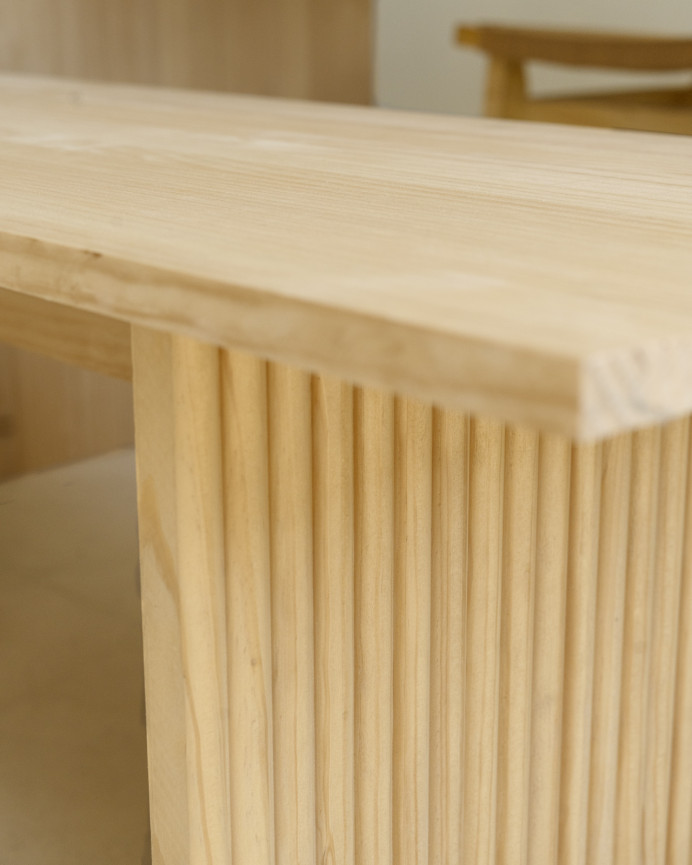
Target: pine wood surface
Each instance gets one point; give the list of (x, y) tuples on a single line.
[(82, 339), (280, 47), (446, 639), (531, 273)]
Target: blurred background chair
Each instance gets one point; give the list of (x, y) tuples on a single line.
[(510, 49)]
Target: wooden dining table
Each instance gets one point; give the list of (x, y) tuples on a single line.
[(412, 400)]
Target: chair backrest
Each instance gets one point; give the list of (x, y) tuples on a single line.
[(511, 48)]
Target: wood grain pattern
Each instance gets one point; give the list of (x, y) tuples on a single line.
[(277, 47), (248, 600), (334, 586), (582, 588), (448, 633), (374, 625), (664, 635), (202, 594), (551, 288), (482, 709), (608, 646), (291, 527), (163, 654), (547, 684), (447, 639), (679, 834), (92, 342), (636, 654), (519, 535), (412, 585)]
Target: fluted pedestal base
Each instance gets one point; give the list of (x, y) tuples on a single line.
[(379, 633)]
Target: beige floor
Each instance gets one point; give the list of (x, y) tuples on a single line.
[(72, 744)]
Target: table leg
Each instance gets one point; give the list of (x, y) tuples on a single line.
[(378, 632)]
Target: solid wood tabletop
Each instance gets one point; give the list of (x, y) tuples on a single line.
[(537, 273)]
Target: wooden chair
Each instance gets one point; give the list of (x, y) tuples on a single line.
[(511, 48)]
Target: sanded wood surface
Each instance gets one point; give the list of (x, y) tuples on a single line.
[(71, 335), (279, 47), (536, 274), (447, 639)]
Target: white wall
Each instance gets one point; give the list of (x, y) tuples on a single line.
[(419, 67)]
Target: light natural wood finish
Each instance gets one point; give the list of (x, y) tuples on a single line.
[(664, 636), (584, 329), (582, 587), (608, 647), (248, 550), (446, 637), (448, 633), (278, 47), (548, 675), (163, 652), (483, 594), (334, 586), (79, 338), (201, 578), (636, 653), (374, 625), (519, 535), (412, 617), (291, 507), (679, 840)]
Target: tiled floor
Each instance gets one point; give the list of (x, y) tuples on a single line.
[(72, 739)]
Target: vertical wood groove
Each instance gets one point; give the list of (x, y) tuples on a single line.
[(448, 634), (248, 577), (483, 641), (610, 614), (552, 537), (643, 518), (374, 628), (163, 660), (290, 490), (665, 611), (582, 583), (517, 627), (202, 587), (391, 635), (412, 583), (679, 840), (333, 492)]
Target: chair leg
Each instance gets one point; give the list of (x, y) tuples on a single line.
[(505, 88)]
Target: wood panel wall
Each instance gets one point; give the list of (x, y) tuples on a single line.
[(313, 49)]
